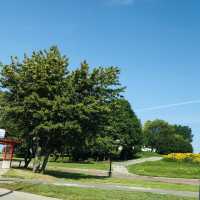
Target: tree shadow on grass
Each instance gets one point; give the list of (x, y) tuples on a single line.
[(73, 162), (69, 175)]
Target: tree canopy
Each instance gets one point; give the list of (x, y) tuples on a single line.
[(166, 138), (52, 108)]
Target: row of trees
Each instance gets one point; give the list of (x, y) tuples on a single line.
[(81, 112), (165, 138)]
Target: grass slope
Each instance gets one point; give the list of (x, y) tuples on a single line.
[(167, 169)]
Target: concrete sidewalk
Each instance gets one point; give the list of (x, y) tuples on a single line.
[(15, 195)]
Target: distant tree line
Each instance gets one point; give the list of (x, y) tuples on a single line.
[(165, 138), (80, 113)]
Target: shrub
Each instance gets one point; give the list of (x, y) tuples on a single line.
[(183, 157)]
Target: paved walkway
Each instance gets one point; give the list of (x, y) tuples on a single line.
[(120, 167), (15, 195), (140, 160)]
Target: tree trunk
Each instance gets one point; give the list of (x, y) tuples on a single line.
[(27, 158), (37, 160), (36, 166), (56, 156), (44, 164), (27, 161)]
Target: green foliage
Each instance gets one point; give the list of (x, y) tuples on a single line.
[(123, 129), (166, 138), (92, 95), (53, 109), (153, 132), (184, 131), (173, 143), (104, 147), (33, 89), (125, 126)]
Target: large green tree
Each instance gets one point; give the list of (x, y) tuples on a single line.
[(123, 126), (50, 107), (93, 94), (32, 90)]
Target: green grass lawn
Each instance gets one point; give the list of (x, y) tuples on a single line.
[(53, 175), (57, 171), (167, 169), (71, 193), (81, 165)]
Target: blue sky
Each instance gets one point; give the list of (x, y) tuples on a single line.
[(156, 44)]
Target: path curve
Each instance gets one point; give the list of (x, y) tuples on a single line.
[(121, 167)]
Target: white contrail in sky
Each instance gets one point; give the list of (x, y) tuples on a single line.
[(168, 106)]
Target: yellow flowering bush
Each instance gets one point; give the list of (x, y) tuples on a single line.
[(188, 157)]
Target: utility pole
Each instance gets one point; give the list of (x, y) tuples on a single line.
[(110, 166)]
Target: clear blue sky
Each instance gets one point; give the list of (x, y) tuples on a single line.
[(156, 43)]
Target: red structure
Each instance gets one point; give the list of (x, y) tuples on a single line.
[(8, 149)]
